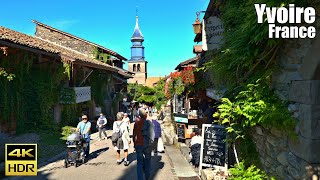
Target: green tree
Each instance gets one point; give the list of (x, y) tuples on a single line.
[(146, 94)]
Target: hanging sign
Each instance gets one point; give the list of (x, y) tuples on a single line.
[(212, 33)]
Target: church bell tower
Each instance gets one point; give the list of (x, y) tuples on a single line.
[(137, 63)]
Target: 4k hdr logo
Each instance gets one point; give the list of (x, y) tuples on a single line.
[(21, 160)]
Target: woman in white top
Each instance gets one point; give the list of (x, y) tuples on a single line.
[(124, 140), (197, 138)]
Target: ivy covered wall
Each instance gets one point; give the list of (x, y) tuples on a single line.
[(269, 92), (26, 102)]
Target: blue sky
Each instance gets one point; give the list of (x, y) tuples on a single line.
[(166, 25)]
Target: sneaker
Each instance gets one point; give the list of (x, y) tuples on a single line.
[(126, 163), (118, 162)]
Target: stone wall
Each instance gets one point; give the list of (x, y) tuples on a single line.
[(169, 136), (297, 81), (141, 76), (278, 160), (64, 40)]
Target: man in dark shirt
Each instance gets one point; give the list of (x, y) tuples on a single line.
[(143, 149)]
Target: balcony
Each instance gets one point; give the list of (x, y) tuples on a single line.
[(75, 95)]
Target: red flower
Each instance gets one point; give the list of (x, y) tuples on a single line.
[(187, 75)]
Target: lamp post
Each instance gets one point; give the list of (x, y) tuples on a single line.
[(197, 24)]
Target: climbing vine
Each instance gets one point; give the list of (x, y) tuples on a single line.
[(29, 98), (99, 87), (3, 73), (101, 56), (70, 114), (67, 69)]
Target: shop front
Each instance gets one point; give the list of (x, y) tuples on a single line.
[(189, 113)]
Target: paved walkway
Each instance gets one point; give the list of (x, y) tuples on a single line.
[(182, 169), (102, 165)]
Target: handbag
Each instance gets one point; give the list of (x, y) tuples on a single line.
[(160, 145)]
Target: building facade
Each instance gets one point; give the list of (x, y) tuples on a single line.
[(62, 70)]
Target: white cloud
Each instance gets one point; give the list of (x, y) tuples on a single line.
[(63, 24)]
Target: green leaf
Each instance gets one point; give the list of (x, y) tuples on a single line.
[(225, 121)]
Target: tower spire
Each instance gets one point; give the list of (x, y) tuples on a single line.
[(136, 11), (137, 33)]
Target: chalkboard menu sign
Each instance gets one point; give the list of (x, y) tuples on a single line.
[(213, 147), (181, 131)]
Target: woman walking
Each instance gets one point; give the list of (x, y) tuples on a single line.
[(123, 141)]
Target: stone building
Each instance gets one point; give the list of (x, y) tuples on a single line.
[(49, 50), (137, 64), (297, 82)]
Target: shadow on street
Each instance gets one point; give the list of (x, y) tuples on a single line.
[(131, 171), (96, 153)]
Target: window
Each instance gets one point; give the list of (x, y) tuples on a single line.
[(138, 69), (134, 68)]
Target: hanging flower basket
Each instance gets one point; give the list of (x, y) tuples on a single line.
[(187, 75)]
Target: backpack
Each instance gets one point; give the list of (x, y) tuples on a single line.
[(101, 121), (116, 135), (148, 133)]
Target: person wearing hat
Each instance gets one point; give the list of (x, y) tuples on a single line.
[(84, 128)]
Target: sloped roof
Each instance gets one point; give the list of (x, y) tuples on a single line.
[(187, 62), (150, 81), (78, 38), (47, 46), (125, 73), (137, 34)]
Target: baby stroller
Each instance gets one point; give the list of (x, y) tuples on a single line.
[(75, 153)]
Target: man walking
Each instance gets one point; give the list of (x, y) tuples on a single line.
[(101, 123), (84, 128), (143, 136)]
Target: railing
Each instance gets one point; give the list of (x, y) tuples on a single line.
[(75, 95)]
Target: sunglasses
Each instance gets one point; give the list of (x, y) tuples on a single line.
[(84, 118)]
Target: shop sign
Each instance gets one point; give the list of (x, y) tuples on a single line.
[(181, 119), (212, 33)]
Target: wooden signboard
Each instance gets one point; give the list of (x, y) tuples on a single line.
[(213, 147), (181, 131)]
